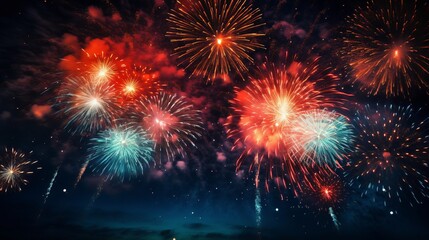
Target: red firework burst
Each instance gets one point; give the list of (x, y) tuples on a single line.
[(134, 83), (264, 112)]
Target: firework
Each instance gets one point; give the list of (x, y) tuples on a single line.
[(328, 191), (215, 36), (121, 152), (322, 137), (172, 123), (266, 109), (391, 154), (387, 44), (136, 82), (14, 168), (88, 106), (326, 194), (101, 68)]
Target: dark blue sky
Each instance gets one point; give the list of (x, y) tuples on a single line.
[(206, 200)]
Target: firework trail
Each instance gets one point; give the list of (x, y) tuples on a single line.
[(97, 193), (258, 206), (391, 153), (265, 111), (121, 152), (172, 123), (81, 172), (334, 218), (386, 45), (14, 168), (48, 191), (215, 36)]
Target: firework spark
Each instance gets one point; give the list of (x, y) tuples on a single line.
[(216, 36), (88, 106), (14, 168), (265, 110), (387, 47), (391, 154), (172, 122), (322, 137), (121, 152)]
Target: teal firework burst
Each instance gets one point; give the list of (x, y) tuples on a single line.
[(121, 152), (322, 137)]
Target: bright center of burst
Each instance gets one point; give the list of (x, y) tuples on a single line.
[(160, 122), (94, 102), (396, 53), (219, 41), (130, 88), (102, 72), (11, 172), (327, 193), (282, 113)]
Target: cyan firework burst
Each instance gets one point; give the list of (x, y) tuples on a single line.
[(121, 152), (322, 137)]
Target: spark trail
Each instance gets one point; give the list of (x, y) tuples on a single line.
[(81, 172), (258, 206), (334, 218), (96, 194), (48, 191)]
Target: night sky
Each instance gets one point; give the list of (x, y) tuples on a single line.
[(200, 195)]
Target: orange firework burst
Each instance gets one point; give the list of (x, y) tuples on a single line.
[(265, 110), (216, 36), (388, 47), (99, 67)]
